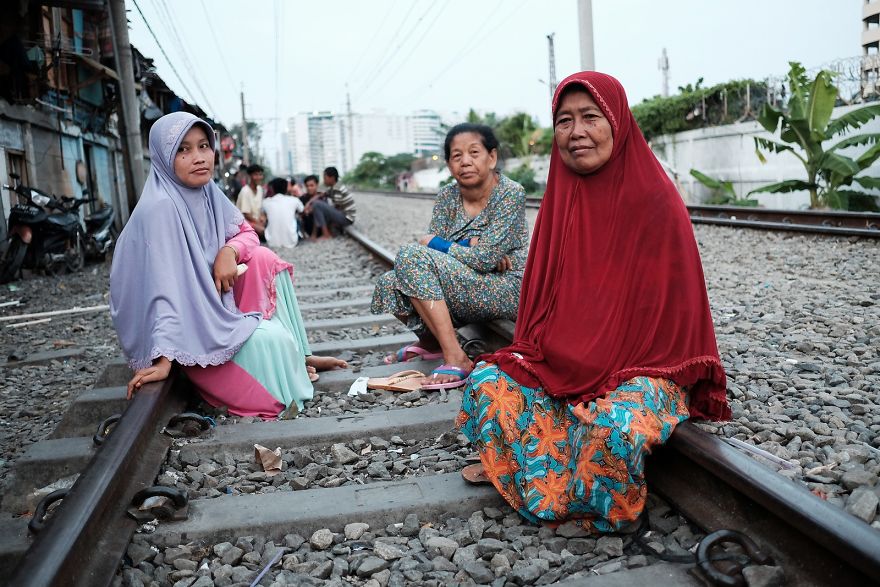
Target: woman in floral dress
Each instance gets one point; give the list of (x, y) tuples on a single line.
[(469, 267), (614, 343)]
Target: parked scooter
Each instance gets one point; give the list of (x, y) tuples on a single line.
[(100, 230), (42, 235)]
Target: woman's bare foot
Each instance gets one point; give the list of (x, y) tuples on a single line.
[(313, 373), (325, 363)]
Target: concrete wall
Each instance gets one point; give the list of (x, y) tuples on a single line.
[(728, 153)]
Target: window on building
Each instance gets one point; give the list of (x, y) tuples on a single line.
[(16, 163)]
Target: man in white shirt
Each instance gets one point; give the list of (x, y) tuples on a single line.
[(280, 211), (250, 200)]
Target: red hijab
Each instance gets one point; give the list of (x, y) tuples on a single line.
[(613, 286)]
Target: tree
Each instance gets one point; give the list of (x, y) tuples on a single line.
[(515, 133), (803, 126), (255, 133), (375, 170), (542, 141), (524, 175)]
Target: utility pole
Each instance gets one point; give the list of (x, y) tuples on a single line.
[(585, 25), (351, 162), (131, 113), (552, 74), (246, 156), (663, 65)]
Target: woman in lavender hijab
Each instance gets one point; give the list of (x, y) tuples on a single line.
[(178, 294)]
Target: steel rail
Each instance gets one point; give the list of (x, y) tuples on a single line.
[(825, 222), (716, 487), (89, 532)]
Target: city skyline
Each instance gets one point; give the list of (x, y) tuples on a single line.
[(455, 55)]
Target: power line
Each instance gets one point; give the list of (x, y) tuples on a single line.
[(277, 10), (162, 50), (396, 50), (184, 52), (412, 50), (217, 44), (477, 40), (373, 38), (390, 44)]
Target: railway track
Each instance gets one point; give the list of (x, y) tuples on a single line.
[(827, 222), (385, 460)]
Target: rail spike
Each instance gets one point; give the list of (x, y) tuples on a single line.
[(718, 577), (105, 428), (187, 424)]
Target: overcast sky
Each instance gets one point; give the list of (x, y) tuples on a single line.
[(452, 55)]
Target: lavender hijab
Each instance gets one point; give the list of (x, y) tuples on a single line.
[(162, 295)]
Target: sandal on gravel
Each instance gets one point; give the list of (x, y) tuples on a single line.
[(409, 380), (475, 474), (445, 369), (419, 352)]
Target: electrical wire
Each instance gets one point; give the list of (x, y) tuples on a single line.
[(376, 32), (184, 52), (388, 49), (217, 44), (403, 41), (277, 13), (162, 50), (409, 53), (477, 40)]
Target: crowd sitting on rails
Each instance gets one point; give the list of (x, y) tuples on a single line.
[(290, 213), (614, 343)]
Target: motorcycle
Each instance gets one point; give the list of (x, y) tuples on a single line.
[(100, 229), (42, 235)]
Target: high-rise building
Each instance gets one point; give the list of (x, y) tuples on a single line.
[(870, 47), (284, 164), (384, 133), (316, 140), (428, 133), (298, 144)]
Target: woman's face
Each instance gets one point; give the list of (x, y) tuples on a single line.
[(583, 133), (469, 161), (194, 161)]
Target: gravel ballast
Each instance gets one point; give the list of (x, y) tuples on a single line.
[(797, 319)]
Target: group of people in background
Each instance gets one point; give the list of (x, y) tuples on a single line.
[(281, 213)]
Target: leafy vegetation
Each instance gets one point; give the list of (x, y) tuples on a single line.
[(722, 191), (695, 107), (804, 126), (378, 171), (525, 176)]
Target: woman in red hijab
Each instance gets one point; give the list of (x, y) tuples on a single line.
[(614, 343)]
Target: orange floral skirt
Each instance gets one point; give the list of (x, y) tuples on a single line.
[(554, 462)]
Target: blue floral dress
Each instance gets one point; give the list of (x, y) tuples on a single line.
[(465, 277)]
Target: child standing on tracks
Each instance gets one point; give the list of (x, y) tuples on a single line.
[(614, 343), (191, 285)]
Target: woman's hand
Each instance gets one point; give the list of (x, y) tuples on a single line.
[(426, 239), (474, 241), (158, 371), (225, 269), (504, 264)]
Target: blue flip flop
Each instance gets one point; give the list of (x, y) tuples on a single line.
[(448, 370)]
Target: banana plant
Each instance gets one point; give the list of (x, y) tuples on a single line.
[(723, 192), (804, 127)]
